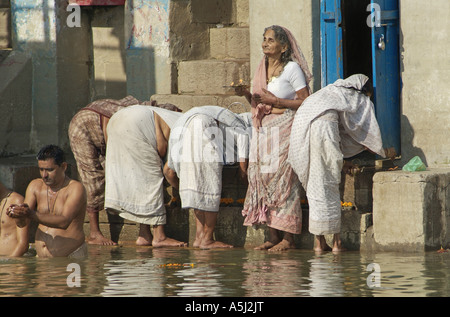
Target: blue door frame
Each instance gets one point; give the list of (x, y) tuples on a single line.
[(385, 60)]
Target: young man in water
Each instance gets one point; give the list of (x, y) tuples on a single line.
[(13, 239), (58, 204)]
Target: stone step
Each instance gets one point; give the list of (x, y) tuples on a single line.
[(211, 77), (185, 102), (355, 234), (230, 42)]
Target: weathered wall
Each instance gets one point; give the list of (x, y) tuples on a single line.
[(425, 70)]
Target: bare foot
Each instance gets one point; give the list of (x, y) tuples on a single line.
[(98, 239), (141, 241), (215, 245), (282, 246), (168, 242), (265, 246), (337, 247), (321, 244)]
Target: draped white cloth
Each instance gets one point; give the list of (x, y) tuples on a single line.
[(333, 123), (201, 142), (133, 169), (359, 127)]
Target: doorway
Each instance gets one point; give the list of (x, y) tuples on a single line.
[(356, 38)]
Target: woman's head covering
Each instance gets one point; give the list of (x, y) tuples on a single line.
[(259, 80)]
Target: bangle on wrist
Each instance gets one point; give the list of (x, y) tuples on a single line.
[(278, 103)]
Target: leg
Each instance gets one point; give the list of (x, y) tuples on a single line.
[(161, 240), (337, 243), (95, 235), (207, 235), (145, 236), (285, 244), (320, 244), (274, 239), (200, 224)]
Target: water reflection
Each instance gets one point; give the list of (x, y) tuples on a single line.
[(131, 271)]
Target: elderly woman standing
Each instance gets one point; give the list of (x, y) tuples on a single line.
[(279, 87)]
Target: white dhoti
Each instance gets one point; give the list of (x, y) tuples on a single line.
[(200, 172), (134, 178), (322, 188)]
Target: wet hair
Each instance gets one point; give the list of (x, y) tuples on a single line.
[(367, 89), (51, 152), (281, 36)]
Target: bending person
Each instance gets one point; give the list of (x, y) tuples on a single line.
[(137, 143), (279, 87), (334, 123), (58, 204), (202, 141), (87, 135)]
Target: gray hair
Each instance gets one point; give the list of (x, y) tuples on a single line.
[(281, 36)]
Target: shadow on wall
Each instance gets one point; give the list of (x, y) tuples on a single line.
[(408, 149)]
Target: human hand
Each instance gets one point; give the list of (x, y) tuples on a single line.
[(18, 211), (266, 97)]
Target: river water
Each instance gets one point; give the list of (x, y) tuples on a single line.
[(170, 272)]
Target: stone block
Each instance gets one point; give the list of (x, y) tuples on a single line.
[(185, 102), (210, 77), (411, 210), (229, 43)]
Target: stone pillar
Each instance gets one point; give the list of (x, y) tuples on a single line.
[(59, 68), (411, 210), (147, 48)]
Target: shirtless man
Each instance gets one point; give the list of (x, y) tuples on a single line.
[(58, 204), (13, 239)]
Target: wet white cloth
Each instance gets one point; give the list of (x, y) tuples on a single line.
[(134, 178), (333, 123), (237, 126), (200, 184), (201, 142), (359, 127), (325, 175)]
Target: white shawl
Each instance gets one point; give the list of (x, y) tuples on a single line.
[(356, 116)]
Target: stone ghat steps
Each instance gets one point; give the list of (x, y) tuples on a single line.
[(356, 234)]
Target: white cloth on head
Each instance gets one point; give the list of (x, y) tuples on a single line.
[(360, 128), (134, 178)]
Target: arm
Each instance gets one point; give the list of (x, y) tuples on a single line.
[(278, 103), (242, 91), (22, 229), (171, 176), (75, 199)]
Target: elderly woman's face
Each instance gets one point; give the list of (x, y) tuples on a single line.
[(271, 46)]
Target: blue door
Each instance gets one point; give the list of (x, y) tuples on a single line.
[(383, 21), (331, 34), (386, 70)]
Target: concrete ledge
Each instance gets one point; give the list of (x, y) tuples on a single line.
[(411, 210), (185, 102)]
